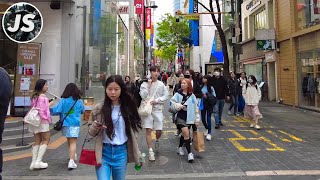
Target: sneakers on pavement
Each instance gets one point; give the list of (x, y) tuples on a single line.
[(190, 157), (257, 127), (229, 112), (252, 125), (151, 156), (178, 133), (217, 126), (72, 164), (180, 151), (208, 137)]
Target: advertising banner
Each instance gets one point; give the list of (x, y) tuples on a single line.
[(139, 6), (27, 72)]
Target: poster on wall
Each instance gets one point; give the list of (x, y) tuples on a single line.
[(27, 72)]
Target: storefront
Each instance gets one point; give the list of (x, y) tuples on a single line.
[(308, 63)]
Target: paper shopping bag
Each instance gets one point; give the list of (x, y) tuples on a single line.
[(198, 141)]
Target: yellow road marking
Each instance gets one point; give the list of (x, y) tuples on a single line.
[(275, 135), (291, 136), (235, 142), (20, 156), (241, 148), (57, 143), (54, 145)]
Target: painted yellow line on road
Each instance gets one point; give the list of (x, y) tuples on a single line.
[(239, 137), (291, 136), (20, 156), (235, 142), (275, 135), (57, 143), (54, 145)]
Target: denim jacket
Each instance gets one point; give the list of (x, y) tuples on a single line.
[(192, 107)]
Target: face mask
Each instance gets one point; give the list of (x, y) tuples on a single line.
[(250, 80), (186, 76)]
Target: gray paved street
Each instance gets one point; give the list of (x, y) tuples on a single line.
[(289, 141)]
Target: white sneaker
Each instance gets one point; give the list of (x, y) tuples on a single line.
[(151, 156), (257, 127), (190, 157), (229, 112), (72, 164), (180, 151), (208, 137), (252, 125)]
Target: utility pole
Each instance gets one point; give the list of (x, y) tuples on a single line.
[(83, 63), (233, 30), (131, 70)]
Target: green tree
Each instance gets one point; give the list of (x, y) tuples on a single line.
[(170, 36)]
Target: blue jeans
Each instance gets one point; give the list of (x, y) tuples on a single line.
[(206, 120), (218, 109), (241, 104), (114, 162), (234, 103)]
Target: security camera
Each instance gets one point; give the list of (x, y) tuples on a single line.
[(70, 14)]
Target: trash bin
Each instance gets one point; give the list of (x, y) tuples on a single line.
[(88, 106)]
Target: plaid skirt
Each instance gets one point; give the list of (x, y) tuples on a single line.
[(252, 112)]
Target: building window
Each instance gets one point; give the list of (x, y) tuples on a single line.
[(260, 20), (310, 78), (308, 13)]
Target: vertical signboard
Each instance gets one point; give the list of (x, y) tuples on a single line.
[(138, 4), (148, 23), (195, 6), (27, 72)]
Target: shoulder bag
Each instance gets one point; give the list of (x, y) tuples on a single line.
[(145, 108), (58, 126), (33, 116)]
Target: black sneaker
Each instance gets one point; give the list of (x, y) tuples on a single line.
[(217, 127), (220, 124)]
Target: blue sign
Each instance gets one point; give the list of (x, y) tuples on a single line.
[(216, 53)]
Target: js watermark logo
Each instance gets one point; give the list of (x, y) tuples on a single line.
[(22, 22)]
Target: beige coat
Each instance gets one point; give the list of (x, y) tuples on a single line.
[(132, 143)]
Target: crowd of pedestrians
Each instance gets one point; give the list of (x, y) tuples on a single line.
[(115, 122)]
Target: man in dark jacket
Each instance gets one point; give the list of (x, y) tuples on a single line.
[(5, 95), (221, 87)]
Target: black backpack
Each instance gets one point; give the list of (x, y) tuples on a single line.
[(136, 92)]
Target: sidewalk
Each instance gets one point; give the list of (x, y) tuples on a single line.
[(288, 141)]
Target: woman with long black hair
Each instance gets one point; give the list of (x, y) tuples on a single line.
[(115, 123), (206, 106)]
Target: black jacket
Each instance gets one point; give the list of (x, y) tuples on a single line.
[(221, 87), (234, 86), (5, 95), (197, 89)]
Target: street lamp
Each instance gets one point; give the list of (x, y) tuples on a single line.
[(153, 6)]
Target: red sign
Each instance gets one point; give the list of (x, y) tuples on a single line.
[(148, 18), (139, 6)]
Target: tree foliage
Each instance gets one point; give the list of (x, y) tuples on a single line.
[(170, 36)]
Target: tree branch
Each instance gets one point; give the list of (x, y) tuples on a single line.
[(213, 16), (203, 6), (219, 10)]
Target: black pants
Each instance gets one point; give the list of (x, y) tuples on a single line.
[(234, 103)]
